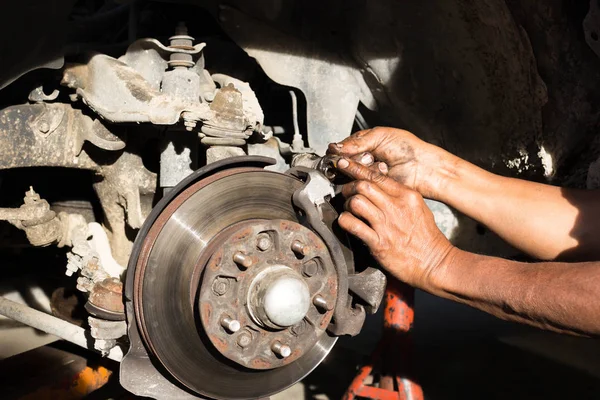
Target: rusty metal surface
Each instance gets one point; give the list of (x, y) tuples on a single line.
[(106, 300), (235, 300)]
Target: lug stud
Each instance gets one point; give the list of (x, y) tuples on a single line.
[(281, 350), (242, 260), (231, 325), (300, 248), (321, 303)]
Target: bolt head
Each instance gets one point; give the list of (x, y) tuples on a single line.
[(310, 268), (220, 286), (244, 339), (263, 242)]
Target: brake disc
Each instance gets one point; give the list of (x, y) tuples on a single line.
[(169, 273)]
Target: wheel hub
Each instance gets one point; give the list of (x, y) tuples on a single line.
[(275, 280)]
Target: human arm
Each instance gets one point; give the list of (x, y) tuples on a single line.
[(396, 225), (544, 221)]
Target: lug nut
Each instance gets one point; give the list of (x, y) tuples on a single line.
[(242, 260), (281, 350), (244, 339), (300, 248), (230, 325), (264, 242), (321, 303)]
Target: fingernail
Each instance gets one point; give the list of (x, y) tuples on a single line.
[(367, 159), (343, 163), (383, 167)]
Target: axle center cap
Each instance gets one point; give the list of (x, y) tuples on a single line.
[(278, 297)]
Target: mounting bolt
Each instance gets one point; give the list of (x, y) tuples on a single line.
[(321, 303), (242, 260), (263, 242), (220, 286), (244, 339), (310, 268), (300, 248), (281, 350), (230, 325)]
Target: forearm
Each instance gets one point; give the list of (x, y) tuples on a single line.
[(544, 221), (562, 297)]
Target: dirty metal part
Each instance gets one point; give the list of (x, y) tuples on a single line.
[(331, 98), (326, 164), (178, 349), (107, 330), (125, 193), (218, 152), (106, 300), (119, 93), (253, 112), (106, 333), (396, 379), (25, 144), (369, 286), (52, 325), (348, 319), (37, 95), (34, 217), (178, 159), (274, 294)]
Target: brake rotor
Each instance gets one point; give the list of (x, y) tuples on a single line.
[(168, 276)]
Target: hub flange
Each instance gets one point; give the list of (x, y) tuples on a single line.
[(277, 281)]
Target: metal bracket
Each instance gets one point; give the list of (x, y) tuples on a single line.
[(347, 319)]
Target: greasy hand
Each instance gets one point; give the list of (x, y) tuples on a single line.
[(410, 161), (396, 225)]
